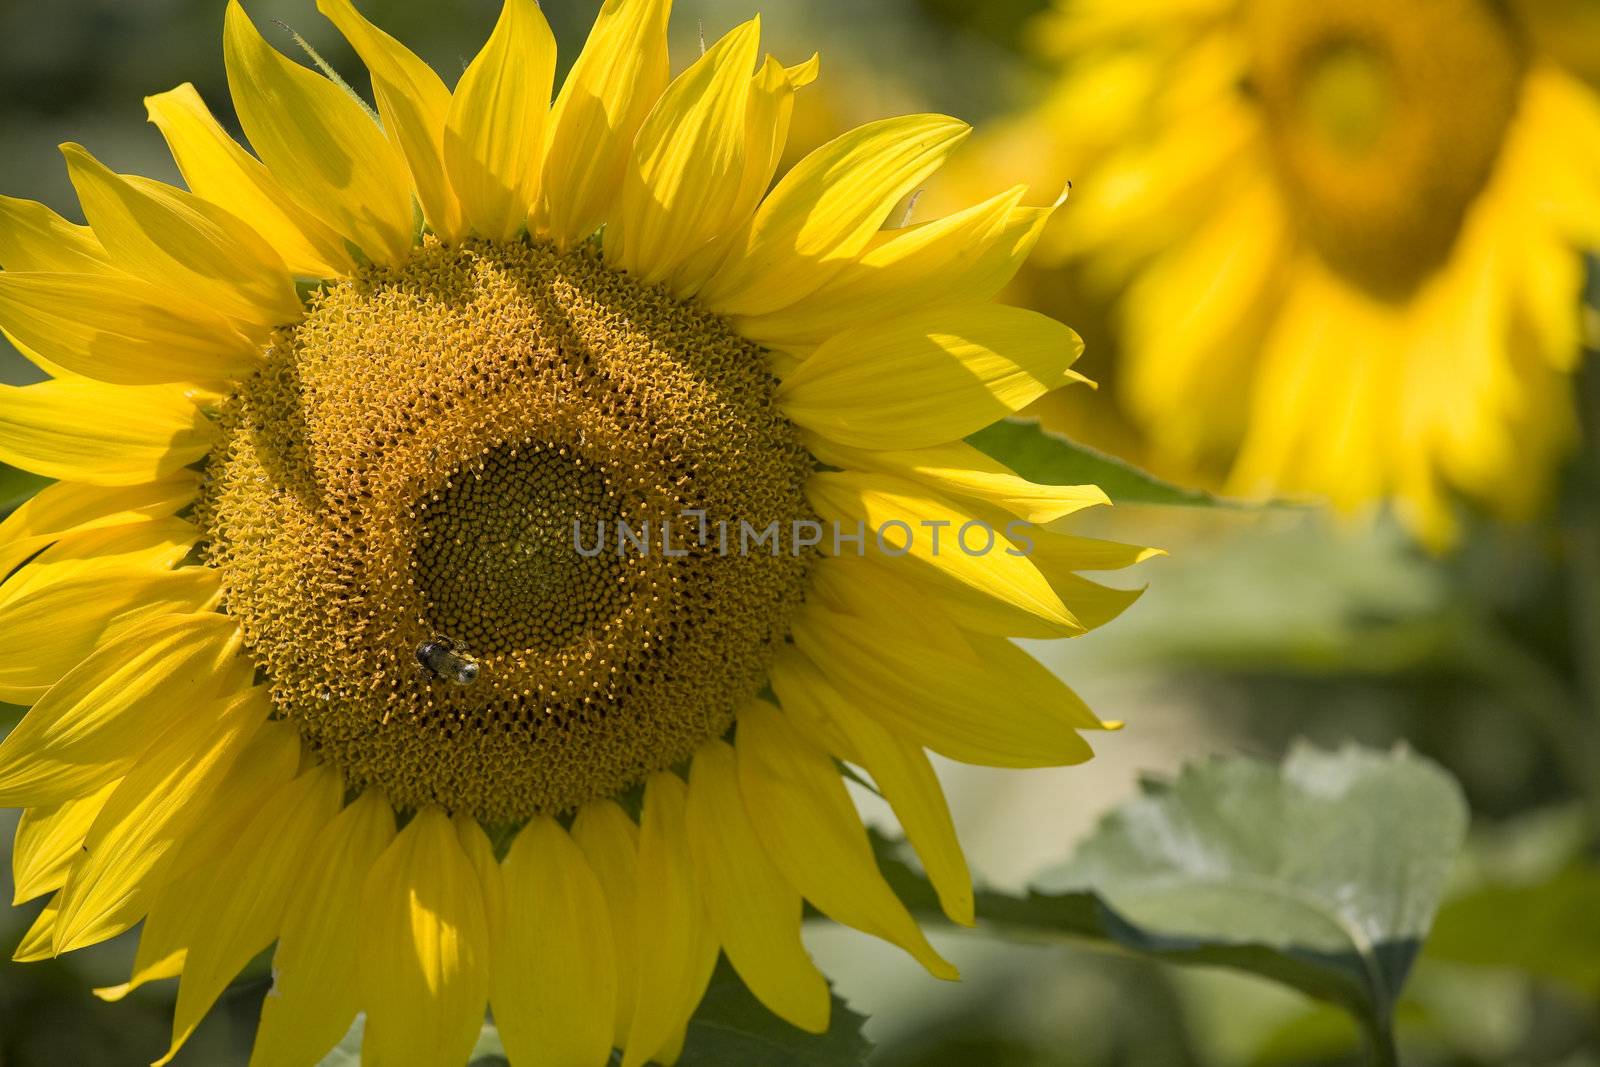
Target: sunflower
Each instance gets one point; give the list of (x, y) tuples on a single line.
[(315, 654), (1346, 238)]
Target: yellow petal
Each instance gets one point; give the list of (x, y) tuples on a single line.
[(825, 211), (968, 256), (313, 995), (57, 627), (243, 907), (424, 971), (92, 725), (144, 548), (957, 467), (675, 951), (90, 587), (1091, 603), (494, 136), (319, 144), (49, 840), (1007, 712), (34, 238), (865, 585), (154, 808), (175, 240), (217, 168), (554, 977), (755, 913), (902, 773), (939, 539), (931, 377), (36, 943), (766, 132), (1066, 552), (414, 102), (268, 762), (610, 843), (480, 853), (615, 82), (812, 832), (81, 431), (681, 185), (766, 127), (120, 330), (67, 507)]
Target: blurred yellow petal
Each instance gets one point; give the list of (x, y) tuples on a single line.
[(414, 102), (793, 792), (315, 966), (754, 911), (175, 240), (825, 211), (930, 377), (424, 970), (120, 330), (615, 82), (675, 950), (494, 135), (554, 982), (216, 167), (101, 434), (319, 144), (92, 725), (680, 186)]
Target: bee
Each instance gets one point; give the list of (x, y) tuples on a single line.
[(442, 659)]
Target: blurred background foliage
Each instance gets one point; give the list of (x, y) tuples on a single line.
[(1264, 626)]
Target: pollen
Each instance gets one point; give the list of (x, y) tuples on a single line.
[(408, 508)]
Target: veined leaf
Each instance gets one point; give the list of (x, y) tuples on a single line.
[(1323, 874)]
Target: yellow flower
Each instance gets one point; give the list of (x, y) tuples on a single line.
[(1346, 236), (314, 654)]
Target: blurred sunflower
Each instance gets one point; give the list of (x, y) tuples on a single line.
[(1347, 237), (312, 654)]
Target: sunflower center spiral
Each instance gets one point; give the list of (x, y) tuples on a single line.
[(417, 507), (1385, 121)]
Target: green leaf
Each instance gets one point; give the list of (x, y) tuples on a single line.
[(1546, 929), (1323, 874), (1050, 459), (731, 1026)]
